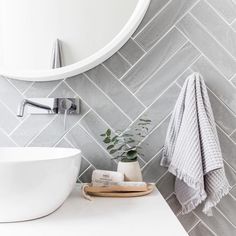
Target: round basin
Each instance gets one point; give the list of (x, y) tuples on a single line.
[(34, 182)]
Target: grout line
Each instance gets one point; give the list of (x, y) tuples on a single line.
[(121, 78), (150, 49), (4, 132), (123, 58), (206, 225), (214, 38), (15, 87), (108, 98), (145, 110), (177, 84), (212, 7), (155, 156), (234, 198), (188, 68), (19, 124), (173, 193), (201, 221), (67, 131), (204, 55), (124, 85), (198, 221), (169, 196), (91, 108), (233, 27), (21, 92), (151, 19), (90, 164), (28, 88), (10, 110), (140, 158), (155, 100), (219, 13), (156, 127), (135, 42), (161, 177), (225, 134), (224, 216), (231, 81), (140, 46), (223, 104), (85, 170), (44, 128), (173, 26), (55, 88), (161, 66), (230, 167), (232, 133), (95, 140)]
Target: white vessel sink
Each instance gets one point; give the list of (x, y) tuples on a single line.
[(35, 181)]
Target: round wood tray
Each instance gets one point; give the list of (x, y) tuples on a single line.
[(116, 193)]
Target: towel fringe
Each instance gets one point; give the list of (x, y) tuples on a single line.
[(214, 199), (165, 161), (192, 204), (189, 180)]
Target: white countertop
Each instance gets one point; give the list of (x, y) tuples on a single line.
[(148, 215)]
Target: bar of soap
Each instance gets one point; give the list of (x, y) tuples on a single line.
[(105, 177)]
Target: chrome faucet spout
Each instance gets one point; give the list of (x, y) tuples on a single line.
[(49, 106), (26, 102)]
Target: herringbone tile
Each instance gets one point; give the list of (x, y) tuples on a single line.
[(143, 79)]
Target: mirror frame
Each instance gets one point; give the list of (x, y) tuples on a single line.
[(88, 63)]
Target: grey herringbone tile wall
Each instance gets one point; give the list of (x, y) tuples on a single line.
[(144, 79)]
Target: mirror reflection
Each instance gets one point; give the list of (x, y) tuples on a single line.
[(40, 35)]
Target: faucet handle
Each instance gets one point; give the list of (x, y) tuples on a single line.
[(68, 105)]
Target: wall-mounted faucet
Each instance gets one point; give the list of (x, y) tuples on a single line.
[(49, 106)]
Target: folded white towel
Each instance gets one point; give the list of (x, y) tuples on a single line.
[(192, 151)]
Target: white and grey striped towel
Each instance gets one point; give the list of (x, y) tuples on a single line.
[(192, 151)]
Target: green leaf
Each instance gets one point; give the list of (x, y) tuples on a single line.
[(113, 151), (108, 132), (114, 138), (132, 154), (145, 120), (130, 141), (103, 135), (143, 124), (146, 128), (116, 141), (107, 140), (121, 147), (110, 147), (127, 135)]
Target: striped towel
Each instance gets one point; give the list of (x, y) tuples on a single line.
[(192, 151)]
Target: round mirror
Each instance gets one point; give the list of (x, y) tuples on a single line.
[(42, 40)]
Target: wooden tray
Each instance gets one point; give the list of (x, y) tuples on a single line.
[(119, 191)]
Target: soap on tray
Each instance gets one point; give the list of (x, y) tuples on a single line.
[(105, 177)]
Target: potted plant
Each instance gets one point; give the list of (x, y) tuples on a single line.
[(125, 146)]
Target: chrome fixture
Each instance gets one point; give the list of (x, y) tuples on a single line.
[(49, 106)]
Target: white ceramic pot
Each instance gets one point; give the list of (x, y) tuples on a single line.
[(131, 171)]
